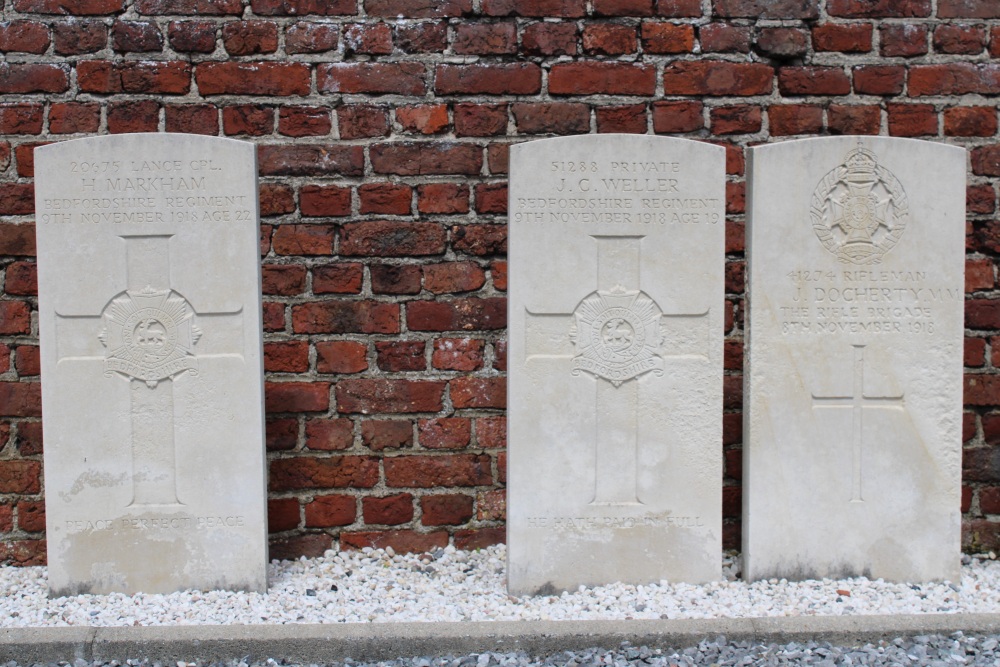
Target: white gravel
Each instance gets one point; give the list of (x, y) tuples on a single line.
[(452, 585)]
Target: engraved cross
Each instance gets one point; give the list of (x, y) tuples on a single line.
[(635, 333), (147, 335), (858, 401)]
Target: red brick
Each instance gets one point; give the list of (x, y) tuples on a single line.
[(404, 78), (662, 38), (335, 472), (74, 7), (20, 399), (192, 36), (281, 434), (170, 77), (498, 157), (282, 514), (980, 199), (479, 392), (22, 279), (190, 7), (24, 37), (609, 39), (324, 201), (629, 119), (539, 8), (480, 538), (979, 390), (32, 78), (813, 81), (549, 39), (783, 43), (991, 421), (136, 36), (491, 432), (954, 79), (623, 7), (970, 122), (79, 37), (453, 277), (500, 355), (480, 239), (20, 477), (304, 7), (308, 37), (424, 118), (276, 199), (589, 78), (912, 120), (444, 433), (767, 9), (329, 434), (312, 239), (345, 278), (738, 119), (417, 9), (491, 505), (192, 118), (31, 516), (995, 42), (373, 39), (960, 39), (849, 38), (480, 120), (25, 155), (400, 355), (21, 118), (497, 79), (256, 78), (974, 353), (341, 356), (389, 198), (848, 119), (428, 471), (250, 119), (498, 272), (677, 117), (968, 9), (297, 396), (717, 78), (556, 118), (458, 354), (981, 464), (795, 119), (446, 509), (423, 37), (424, 158), (879, 79), (273, 316), (299, 121), (462, 314), (388, 510), (17, 199), (74, 117), (310, 545), (442, 198), (401, 541), (288, 356), (724, 38), (27, 361), (485, 39), (310, 160), (345, 317), (358, 121), (985, 160), (17, 239), (395, 278), (367, 396), (385, 434), (387, 238), (982, 313), (875, 9), (903, 40)]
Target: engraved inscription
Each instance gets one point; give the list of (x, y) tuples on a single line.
[(617, 334), (156, 523), (859, 209)]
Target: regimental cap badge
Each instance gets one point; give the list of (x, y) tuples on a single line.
[(859, 210), (617, 335)]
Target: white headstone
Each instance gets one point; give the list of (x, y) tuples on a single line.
[(615, 372), (152, 401), (853, 412)]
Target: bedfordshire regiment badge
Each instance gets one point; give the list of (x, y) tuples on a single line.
[(149, 335), (617, 335), (859, 209)]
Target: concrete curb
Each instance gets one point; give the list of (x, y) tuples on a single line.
[(386, 641)]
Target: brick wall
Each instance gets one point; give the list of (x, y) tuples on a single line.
[(383, 128)]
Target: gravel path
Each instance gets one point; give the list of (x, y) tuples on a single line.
[(451, 585)]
